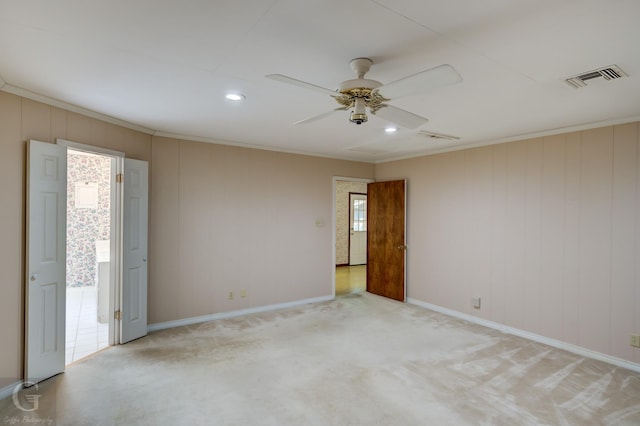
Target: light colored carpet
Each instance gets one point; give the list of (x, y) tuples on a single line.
[(358, 360)]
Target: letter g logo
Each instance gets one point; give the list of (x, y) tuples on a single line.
[(32, 400)]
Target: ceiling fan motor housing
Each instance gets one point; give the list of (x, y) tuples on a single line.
[(358, 83), (360, 98), (359, 92)]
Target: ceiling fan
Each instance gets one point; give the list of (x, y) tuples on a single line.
[(360, 94)]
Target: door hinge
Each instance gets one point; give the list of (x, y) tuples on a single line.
[(118, 315), (119, 178)]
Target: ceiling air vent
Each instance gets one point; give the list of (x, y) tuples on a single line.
[(612, 72), (432, 135)]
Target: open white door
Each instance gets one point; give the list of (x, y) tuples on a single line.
[(357, 229), (46, 261), (133, 305)]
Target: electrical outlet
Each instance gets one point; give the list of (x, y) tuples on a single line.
[(230, 295), (243, 293), (475, 302), (635, 340)]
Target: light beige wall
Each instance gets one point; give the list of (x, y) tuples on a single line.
[(20, 120), (221, 219), (226, 219), (546, 231), (343, 188)]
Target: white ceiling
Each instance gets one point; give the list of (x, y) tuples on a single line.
[(165, 66)]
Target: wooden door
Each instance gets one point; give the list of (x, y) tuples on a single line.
[(386, 246), (46, 261)]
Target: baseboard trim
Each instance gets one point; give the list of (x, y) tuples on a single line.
[(233, 314), (578, 350), (7, 391)]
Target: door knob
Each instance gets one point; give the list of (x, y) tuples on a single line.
[(34, 277), (402, 247)]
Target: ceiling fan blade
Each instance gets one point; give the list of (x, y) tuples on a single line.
[(294, 82), (401, 117), (320, 116), (440, 76)]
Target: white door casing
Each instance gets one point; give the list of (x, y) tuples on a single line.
[(115, 232), (45, 261), (357, 229), (133, 324)]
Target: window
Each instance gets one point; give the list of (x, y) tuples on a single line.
[(359, 209)]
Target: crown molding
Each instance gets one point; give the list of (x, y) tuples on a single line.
[(254, 146), (9, 88), (518, 137)]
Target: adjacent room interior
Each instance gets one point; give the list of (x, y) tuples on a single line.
[(88, 254), (351, 236)]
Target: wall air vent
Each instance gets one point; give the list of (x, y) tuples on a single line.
[(612, 72), (432, 135)]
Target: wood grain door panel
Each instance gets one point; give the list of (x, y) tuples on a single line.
[(386, 242)]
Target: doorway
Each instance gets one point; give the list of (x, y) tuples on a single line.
[(385, 269), (349, 274), (46, 253), (88, 270)]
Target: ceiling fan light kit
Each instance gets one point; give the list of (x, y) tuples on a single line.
[(360, 94), (359, 113)]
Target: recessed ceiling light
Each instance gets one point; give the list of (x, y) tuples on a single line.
[(235, 96), (390, 129)]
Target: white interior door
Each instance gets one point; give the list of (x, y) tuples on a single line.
[(46, 261), (135, 201), (358, 229)]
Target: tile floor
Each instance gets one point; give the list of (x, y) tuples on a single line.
[(85, 335)]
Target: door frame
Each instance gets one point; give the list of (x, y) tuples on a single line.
[(115, 267), (333, 223)]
